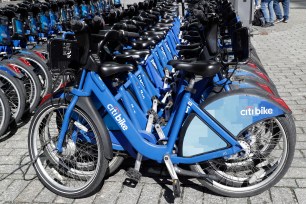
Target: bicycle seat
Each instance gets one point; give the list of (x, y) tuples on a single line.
[(190, 52), (130, 57), (203, 68), (173, 62), (191, 46), (166, 20), (164, 25), (160, 29), (110, 68), (154, 33), (192, 38), (143, 44), (154, 38), (140, 53)]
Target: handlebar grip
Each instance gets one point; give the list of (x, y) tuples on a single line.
[(131, 34), (132, 9), (112, 14), (77, 25), (21, 10), (97, 23), (119, 26), (199, 14), (139, 23), (131, 27), (148, 15), (155, 12)]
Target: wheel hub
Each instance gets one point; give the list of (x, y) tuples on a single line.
[(70, 148), (244, 153)]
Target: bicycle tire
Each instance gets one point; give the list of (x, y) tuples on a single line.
[(57, 163), (41, 70), (5, 114), (34, 88), (31, 84), (219, 185), (14, 91)]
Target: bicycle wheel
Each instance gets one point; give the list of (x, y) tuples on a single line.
[(42, 71), (5, 114), (32, 86), (78, 171), (59, 79), (269, 149), (14, 93), (115, 163)]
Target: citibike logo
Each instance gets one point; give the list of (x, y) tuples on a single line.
[(116, 114), (141, 81), (250, 110)]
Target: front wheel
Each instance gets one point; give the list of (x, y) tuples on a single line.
[(269, 149), (79, 170)]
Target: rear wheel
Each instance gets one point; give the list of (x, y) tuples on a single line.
[(32, 87), (79, 170), (269, 149), (4, 113), (42, 71), (14, 93)]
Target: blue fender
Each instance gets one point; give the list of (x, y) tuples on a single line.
[(250, 72), (25, 52), (17, 61), (11, 72), (247, 82), (238, 109)]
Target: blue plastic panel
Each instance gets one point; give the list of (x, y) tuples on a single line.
[(199, 138)]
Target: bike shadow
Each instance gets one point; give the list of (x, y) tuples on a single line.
[(153, 172), (14, 127)]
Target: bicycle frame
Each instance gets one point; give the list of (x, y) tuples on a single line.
[(91, 83)]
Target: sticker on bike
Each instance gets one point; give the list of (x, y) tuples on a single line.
[(115, 112), (251, 111)]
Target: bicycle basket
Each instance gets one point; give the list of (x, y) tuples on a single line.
[(63, 55)]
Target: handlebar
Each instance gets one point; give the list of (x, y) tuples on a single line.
[(77, 25), (130, 34), (124, 26)]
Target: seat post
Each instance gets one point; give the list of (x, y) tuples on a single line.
[(190, 86), (191, 83)]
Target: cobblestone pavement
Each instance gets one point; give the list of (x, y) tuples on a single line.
[(282, 50)]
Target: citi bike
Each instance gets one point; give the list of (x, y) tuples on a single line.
[(237, 143)]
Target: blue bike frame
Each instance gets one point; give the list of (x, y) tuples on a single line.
[(92, 84)]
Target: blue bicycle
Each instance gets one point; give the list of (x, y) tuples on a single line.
[(238, 143)]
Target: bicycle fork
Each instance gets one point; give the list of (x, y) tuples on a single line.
[(65, 124), (77, 93)]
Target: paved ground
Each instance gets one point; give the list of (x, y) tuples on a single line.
[(283, 52)]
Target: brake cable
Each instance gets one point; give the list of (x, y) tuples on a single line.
[(228, 78)]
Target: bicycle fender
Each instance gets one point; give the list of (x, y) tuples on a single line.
[(30, 54), (8, 70), (60, 93), (20, 63), (87, 105), (238, 109)]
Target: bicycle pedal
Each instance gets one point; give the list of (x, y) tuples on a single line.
[(134, 175), (176, 188), (130, 183)]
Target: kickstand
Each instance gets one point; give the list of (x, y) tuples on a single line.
[(175, 180)]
